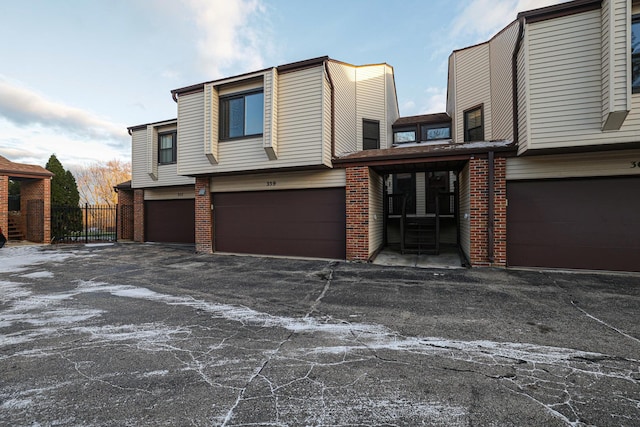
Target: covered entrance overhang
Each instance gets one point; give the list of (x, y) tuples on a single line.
[(26, 214), (421, 200)]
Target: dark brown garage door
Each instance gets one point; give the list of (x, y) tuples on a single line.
[(575, 223), (169, 221), (287, 222)]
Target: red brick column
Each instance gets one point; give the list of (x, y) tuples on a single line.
[(125, 210), (500, 213), (138, 215), (4, 205), (479, 204), (478, 201), (357, 213), (204, 216), (46, 195)]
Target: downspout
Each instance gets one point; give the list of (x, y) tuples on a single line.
[(514, 81), (333, 110), (490, 208)]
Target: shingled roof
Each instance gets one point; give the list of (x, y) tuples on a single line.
[(20, 170)]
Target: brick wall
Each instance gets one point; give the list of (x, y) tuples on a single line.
[(357, 213), (479, 210), (204, 216), (4, 204), (138, 215), (125, 215)]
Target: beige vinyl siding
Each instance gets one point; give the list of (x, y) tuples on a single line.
[(191, 157), (616, 90), (279, 181), (612, 163), (370, 100), (326, 122), (152, 152), (344, 84), (139, 176), (421, 193), (299, 131), (170, 193), (606, 47), (376, 212), (451, 92), (393, 112), (270, 137), (211, 127), (465, 211), (167, 175), (523, 95), (473, 87), (501, 57), (565, 71)]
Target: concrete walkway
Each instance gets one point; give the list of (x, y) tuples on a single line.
[(448, 257)]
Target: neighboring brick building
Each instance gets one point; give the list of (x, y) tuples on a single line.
[(32, 220)]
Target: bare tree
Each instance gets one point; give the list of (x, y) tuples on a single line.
[(96, 181)]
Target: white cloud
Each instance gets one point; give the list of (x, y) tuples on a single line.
[(229, 35), (435, 100), (483, 18), (34, 144), (23, 107)]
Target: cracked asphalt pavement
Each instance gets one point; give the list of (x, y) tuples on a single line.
[(139, 334)]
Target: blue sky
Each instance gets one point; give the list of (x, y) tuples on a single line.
[(75, 73)]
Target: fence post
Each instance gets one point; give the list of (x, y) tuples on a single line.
[(117, 222), (86, 223)]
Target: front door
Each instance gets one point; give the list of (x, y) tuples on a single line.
[(437, 184), (405, 183)]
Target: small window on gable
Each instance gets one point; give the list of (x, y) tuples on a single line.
[(432, 132), (473, 125), (167, 147), (370, 134), (242, 115), (635, 54), (404, 136)]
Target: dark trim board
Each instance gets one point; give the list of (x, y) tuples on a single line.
[(588, 224), (309, 223)]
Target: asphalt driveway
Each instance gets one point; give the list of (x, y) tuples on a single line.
[(133, 334)]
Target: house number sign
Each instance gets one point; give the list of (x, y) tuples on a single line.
[(635, 165), (271, 183)]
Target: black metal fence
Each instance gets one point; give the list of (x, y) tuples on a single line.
[(87, 224)]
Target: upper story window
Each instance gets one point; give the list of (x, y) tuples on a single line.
[(167, 144), (242, 115), (635, 54), (404, 136), (432, 132), (370, 134), (473, 125)]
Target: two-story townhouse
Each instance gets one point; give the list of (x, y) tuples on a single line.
[(247, 165), (544, 141), (536, 161), (573, 191)]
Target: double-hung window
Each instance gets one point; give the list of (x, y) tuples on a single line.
[(370, 134), (167, 144), (473, 125), (242, 115), (635, 54)]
